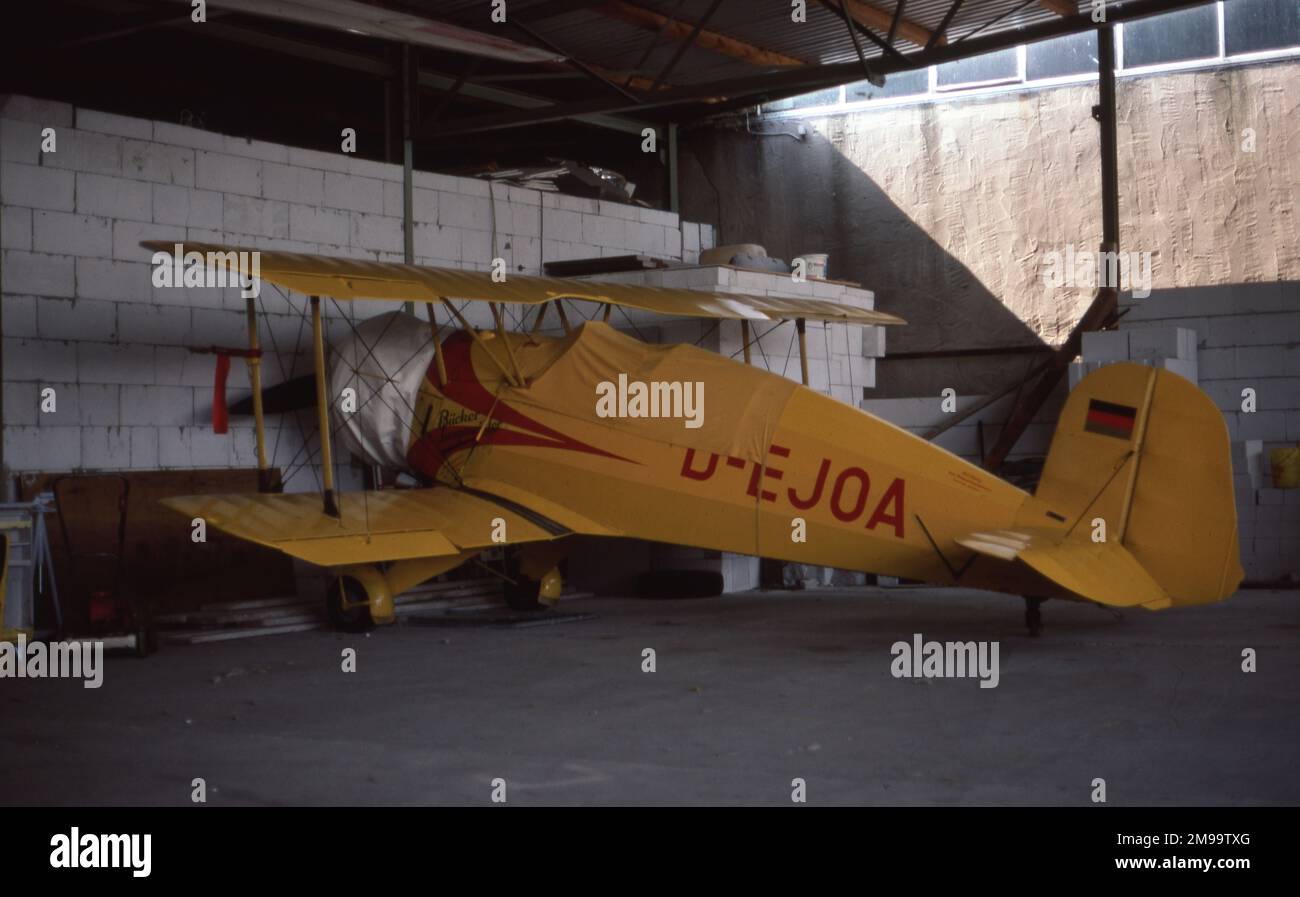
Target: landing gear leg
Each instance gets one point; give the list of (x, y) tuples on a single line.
[(534, 571), (1033, 614), (526, 593), (347, 604)]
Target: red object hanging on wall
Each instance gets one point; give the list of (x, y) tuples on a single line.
[(220, 412), (220, 416)]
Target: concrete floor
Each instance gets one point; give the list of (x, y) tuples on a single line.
[(751, 691)]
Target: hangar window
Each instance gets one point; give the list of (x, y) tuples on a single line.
[(1074, 54), (991, 68), (903, 84), (828, 97), (1215, 34), (1250, 26), (1173, 37)]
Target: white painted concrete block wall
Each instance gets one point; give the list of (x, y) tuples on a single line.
[(1248, 337), (1169, 347), (80, 313)]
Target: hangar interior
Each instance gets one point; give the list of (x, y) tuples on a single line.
[(936, 152)]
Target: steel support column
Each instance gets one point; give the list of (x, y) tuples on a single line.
[(1101, 312), (410, 115)]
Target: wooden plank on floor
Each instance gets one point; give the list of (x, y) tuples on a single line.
[(227, 635)]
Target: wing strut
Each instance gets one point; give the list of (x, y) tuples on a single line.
[(564, 319), (254, 361), (541, 316), (474, 335), (323, 410), (799, 325), (437, 345), (501, 335)]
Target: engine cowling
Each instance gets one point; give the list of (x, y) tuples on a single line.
[(385, 359)]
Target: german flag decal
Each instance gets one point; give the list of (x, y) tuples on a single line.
[(1110, 419)]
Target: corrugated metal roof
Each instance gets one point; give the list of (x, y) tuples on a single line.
[(825, 29), (593, 36), (594, 32)]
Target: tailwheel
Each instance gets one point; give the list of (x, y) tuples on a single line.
[(347, 605), (1034, 614)]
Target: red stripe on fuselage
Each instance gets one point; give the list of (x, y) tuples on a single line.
[(431, 450)]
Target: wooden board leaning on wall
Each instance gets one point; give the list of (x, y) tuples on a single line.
[(163, 564)]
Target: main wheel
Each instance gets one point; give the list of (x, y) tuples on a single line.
[(524, 594), (346, 605), (527, 593)]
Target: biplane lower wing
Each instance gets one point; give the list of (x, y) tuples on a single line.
[(373, 527)]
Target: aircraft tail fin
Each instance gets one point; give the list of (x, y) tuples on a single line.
[(1139, 467)]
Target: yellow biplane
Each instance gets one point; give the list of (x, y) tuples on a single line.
[(504, 432)]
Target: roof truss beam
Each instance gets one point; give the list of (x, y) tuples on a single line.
[(685, 45), (1060, 7), (649, 20), (940, 33), (870, 17), (855, 28), (777, 85), (432, 80)]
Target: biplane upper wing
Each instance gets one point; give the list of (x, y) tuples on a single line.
[(343, 278), (373, 526)]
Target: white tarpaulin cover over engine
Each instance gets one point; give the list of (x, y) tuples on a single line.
[(385, 360)]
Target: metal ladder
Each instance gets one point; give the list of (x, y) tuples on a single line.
[(27, 560)]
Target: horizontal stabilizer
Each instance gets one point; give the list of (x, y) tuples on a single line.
[(1099, 571)]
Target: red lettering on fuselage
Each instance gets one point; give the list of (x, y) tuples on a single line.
[(691, 473), (893, 497), (803, 504), (841, 485), (849, 495), (770, 472)]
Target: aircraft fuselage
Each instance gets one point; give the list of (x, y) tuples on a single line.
[(773, 469)]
